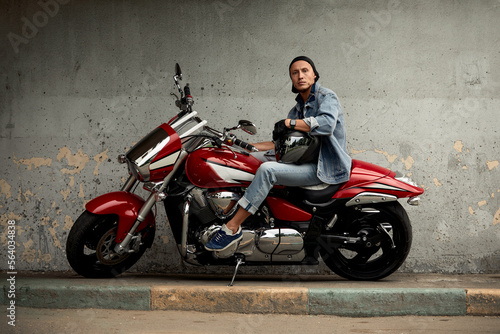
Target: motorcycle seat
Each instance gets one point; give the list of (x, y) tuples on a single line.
[(319, 194)]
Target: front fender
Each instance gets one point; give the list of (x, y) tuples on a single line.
[(123, 204)]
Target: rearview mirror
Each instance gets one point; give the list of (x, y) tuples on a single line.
[(178, 71), (248, 127)]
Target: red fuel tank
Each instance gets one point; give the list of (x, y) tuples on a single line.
[(217, 168)]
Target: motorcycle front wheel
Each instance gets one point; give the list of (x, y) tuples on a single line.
[(90, 247), (388, 225)]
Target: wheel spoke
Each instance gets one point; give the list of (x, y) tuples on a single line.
[(105, 249), (364, 256)]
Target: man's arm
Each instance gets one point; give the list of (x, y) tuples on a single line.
[(300, 125), (264, 146)]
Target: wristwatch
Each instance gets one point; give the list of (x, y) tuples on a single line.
[(292, 124)]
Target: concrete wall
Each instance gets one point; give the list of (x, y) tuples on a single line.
[(83, 80)]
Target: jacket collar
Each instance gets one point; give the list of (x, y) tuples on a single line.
[(310, 99)]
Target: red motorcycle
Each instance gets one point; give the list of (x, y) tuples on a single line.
[(358, 228)]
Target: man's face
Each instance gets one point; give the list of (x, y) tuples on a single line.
[(302, 75)]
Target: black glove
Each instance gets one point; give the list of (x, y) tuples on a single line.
[(279, 129)]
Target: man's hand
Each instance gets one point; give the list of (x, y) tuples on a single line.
[(279, 129)]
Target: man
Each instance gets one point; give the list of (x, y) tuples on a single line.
[(318, 113)]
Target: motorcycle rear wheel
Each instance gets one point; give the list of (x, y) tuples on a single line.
[(357, 262), (90, 247)]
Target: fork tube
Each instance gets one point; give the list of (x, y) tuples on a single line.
[(182, 155), (123, 246), (185, 225), (129, 184), (146, 207)]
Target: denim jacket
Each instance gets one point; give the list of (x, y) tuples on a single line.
[(323, 113)]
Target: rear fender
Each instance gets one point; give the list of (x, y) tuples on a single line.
[(123, 204), (371, 181), (385, 189)]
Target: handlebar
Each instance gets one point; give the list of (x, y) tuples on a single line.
[(245, 145)]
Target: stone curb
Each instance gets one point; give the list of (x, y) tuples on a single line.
[(82, 296), (387, 302), (351, 302), (230, 299), (483, 302)]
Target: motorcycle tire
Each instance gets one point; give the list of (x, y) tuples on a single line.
[(90, 244), (358, 262)]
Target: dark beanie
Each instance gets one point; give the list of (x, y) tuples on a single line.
[(307, 59)]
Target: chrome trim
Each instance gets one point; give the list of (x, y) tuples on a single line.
[(280, 241), (332, 222), (268, 240), (369, 210), (370, 198), (185, 225), (152, 186), (387, 226), (293, 258), (145, 210), (122, 158), (291, 242), (182, 120), (188, 124), (386, 229), (199, 196), (414, 200), (252, 253), (247, 244), (382, 186), (160, 197), (239, 261), (228, 252), (129, 183), (191, 249), (193, 129), (208, 233), (223, 203)]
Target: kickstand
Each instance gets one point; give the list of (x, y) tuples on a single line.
[(239, 261)]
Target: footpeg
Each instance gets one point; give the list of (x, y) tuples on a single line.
[(239, 261)]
